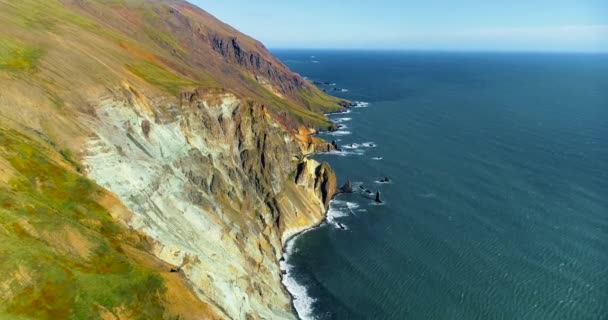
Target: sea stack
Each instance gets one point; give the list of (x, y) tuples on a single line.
[(378, 197)]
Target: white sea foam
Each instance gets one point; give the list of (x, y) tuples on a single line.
[(342, 120), (346, 111), (339, 133), (340, 209), (315, 61), (302, 300), (351, 146), (374, 203), (382, 182), (344, 153), (352, 205), (377, 158), (361, 104), (368, 144)]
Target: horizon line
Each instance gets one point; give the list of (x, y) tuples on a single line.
[(442, 50)]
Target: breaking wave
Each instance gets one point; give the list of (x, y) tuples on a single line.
[(302, 301)]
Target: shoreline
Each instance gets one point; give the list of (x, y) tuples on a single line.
[(293, 238), (285, 253)]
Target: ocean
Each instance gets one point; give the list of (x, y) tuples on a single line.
[(497, 200)]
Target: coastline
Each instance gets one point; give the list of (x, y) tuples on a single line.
[(290, 241), (284, 266)]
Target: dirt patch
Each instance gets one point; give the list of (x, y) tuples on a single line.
[(69, 241), (6, 171)]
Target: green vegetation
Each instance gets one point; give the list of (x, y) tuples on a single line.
[(155, 24), (62, 254), (69, 157), (160, 77), (300, 115), (46, 15), (318, 101), (15, 56)]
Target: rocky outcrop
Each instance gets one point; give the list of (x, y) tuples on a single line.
[(318, 177), (217, 184), (264, 69), (311, 144), (347, 187)]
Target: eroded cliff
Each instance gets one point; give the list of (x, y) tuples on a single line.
[(218, 184)]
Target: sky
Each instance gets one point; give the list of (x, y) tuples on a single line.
[(495, 25)]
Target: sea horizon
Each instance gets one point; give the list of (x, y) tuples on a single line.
[(414, 50)]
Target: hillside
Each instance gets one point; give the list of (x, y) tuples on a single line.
[(151, 163)]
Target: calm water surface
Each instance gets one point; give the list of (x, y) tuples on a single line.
[(498, 201)]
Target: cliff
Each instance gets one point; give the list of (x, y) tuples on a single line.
[(152, 163)]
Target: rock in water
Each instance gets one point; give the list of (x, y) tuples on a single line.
[(347, 187), (335, 145), (378, 197)]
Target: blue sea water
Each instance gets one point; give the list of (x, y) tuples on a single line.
[(498, 202)]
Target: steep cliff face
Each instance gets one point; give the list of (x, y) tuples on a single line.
[(209, 180), (152, 165)]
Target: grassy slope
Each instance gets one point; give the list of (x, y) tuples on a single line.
[(61, 245), (122, 39), (64, 256)]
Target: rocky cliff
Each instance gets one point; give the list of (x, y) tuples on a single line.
[(152, 165), (212, 182)]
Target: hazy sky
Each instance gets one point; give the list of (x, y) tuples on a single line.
[(545, 25)]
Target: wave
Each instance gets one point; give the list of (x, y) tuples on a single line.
[(302, 301), (383, 182), (361, 104), (344, 153), (340, 209), (341, 120), (368, 144), (339, 133), (346, 111), (351, 146), (377, 158)]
